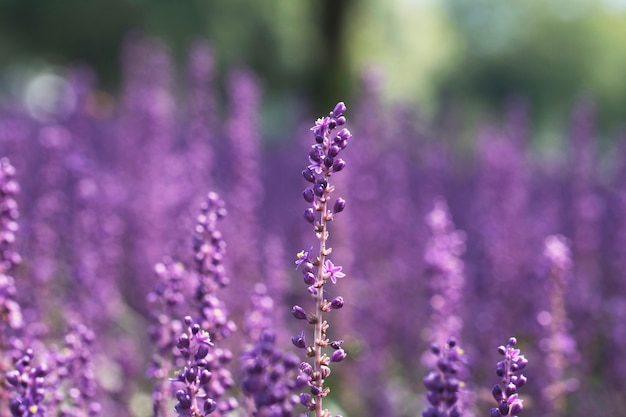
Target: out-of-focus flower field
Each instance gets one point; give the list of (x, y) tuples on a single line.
[(183, 248)]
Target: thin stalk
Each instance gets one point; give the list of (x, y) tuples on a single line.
[(319, 336)]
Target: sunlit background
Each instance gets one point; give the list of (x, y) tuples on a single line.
[(439, 55), (505, 115)]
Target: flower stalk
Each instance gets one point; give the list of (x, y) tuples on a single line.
[(324, 162)]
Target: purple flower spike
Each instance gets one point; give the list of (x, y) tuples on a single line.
[(509, 403), (443, 382), (324, 162)]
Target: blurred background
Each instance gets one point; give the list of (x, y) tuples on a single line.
[(120, 114), (437, 54)]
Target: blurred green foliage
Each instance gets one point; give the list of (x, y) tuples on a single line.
[(552, 51), (474, 52)]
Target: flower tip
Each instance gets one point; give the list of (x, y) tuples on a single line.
[(340, 108), (338, 355)]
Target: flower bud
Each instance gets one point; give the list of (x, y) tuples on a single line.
[(298, 341), (309, 215), (183, 341), (191, 374), (336, 344), (305, 398), (337, 303), (298, 312), (497, 393), (338, 355), (209, 406), (318, 190), (309, 278), (339, 164), (203, 351), (13, 377), (308, 195), (340, 108), (315, 154), (516, 407), (308, 175), (344, 134), (205, 376), (510, 389), (339, 206), (504, 408)]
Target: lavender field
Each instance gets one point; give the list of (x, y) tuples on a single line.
[(160, 256)]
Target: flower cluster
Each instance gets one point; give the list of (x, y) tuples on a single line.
[(445, 270), (270, 375), (193, 380), (209, 249), (317, 269), (165, 300), (559, 345), (443, 384), (75, 373), (508, 369), (8, 215), (10, 312), (11, 319), (28, 381), (210, 323)]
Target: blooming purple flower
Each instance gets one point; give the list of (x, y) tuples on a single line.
[(332, 271), (509, 403), (303, 256)]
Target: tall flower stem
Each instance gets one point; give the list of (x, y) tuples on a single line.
[(560, 346), (319, 332), (324, 162)]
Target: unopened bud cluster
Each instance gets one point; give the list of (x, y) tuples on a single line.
[(193, 380), (443, 383), (29, 382), (508, 369)]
